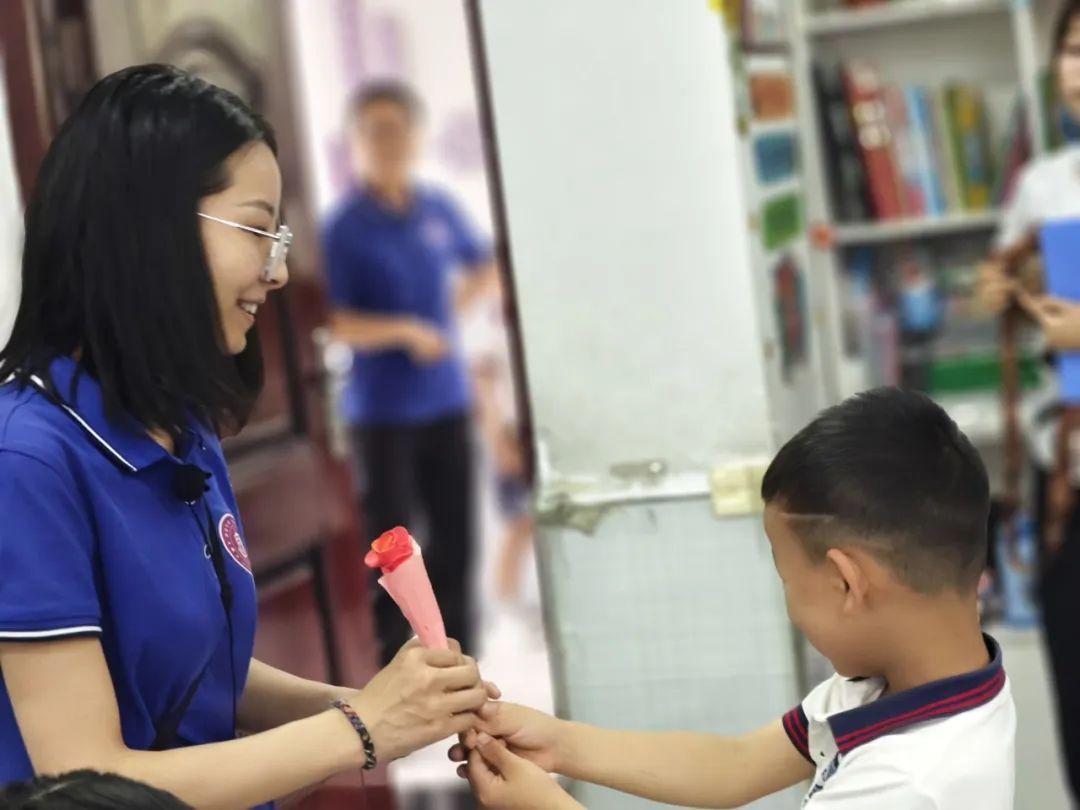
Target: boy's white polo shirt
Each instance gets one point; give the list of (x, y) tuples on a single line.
[(947, 745)]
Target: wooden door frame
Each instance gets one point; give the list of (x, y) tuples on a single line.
[(500, 216), (25, 85)]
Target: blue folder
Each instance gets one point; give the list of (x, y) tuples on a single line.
[(1061, 261)]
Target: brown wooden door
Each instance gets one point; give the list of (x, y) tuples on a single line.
[(296, 498)]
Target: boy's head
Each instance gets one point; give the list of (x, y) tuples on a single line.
[(877, 506), (86, 790)]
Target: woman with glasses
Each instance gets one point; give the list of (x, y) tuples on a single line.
[(127, 605)]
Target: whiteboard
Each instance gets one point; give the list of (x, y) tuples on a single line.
[(628, 231), (641, 640)]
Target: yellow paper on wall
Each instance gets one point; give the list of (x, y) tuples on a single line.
[(730, 9)]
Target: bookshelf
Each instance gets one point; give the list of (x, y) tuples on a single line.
[(889, 15), (773, 127), (774, 185), (867, 233), (995, 45)]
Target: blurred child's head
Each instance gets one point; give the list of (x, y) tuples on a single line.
[(86, 790), (1066, 56), (875, 511)]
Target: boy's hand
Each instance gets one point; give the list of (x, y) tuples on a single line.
[(502, 781), (532, 735)]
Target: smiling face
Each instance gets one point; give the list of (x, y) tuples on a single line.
[(827, 598), (236, 257)]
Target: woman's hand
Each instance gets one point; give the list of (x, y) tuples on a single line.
[(1058, 318), (993, 288), (421, 697), (502, 780)]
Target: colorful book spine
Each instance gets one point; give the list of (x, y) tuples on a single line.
[(920, 119), (874, 138), (969, 135), (944, 151), (907, 161), (846, 175)]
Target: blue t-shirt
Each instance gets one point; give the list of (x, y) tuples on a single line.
[(385, 262), (94, 542)]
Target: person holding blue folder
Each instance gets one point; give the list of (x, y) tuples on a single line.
[(1046, 205), (1057, 318)]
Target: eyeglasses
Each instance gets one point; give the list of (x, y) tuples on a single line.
[(282, 242)]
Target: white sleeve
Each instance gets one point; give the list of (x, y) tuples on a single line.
[(879, 785)]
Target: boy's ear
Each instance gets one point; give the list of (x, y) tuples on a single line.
[(851, 574)]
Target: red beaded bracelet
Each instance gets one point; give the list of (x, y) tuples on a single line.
[(361, 729)]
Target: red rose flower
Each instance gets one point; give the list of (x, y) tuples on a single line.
[(390, 550)]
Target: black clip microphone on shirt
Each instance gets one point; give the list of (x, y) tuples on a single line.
[(190, 483)]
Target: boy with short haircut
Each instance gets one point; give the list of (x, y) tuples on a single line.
[(876, 513), (86, 790)]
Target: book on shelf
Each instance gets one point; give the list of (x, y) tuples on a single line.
[(905, 153), (848, 188), (942, 143), (970, 135), (922, 151), (874, 138), (869, 328), (928, 161)]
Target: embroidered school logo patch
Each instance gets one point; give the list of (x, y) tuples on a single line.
[(229, 533), (437, 233)]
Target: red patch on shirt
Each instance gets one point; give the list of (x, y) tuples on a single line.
[(229, 533)]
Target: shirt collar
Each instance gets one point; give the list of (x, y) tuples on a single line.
[(121, 439), (373, 207), (930, 701)]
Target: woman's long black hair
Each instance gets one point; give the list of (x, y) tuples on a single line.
[(114, 272), (1069, 9)]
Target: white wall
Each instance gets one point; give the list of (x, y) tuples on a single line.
[(10, 224), (322, 85), (615, 122)]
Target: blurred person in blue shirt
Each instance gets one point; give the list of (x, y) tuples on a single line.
[(401, 261)]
